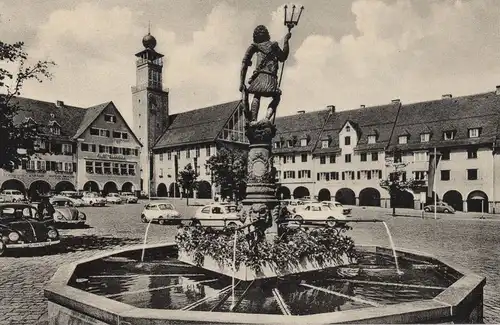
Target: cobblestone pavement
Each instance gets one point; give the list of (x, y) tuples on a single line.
[(469, 242)]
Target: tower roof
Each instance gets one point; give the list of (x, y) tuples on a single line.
[(149, 41)]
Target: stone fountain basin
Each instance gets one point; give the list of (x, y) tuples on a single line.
[(460, 302)]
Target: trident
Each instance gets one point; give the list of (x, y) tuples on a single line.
[(289, 22)]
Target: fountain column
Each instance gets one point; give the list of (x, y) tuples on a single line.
[(261, 203)]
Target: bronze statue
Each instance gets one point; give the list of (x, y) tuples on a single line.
[(264, 80)]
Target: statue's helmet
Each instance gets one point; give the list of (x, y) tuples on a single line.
[(261, 34)]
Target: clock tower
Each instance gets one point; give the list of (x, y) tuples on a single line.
[(150, 107)]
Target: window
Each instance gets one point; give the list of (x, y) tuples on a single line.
[(425, 137), (197, 152), (303, 142), (107, 168), (348, 158), (110, 118), (347, 141), (420, 156), (67, 148), (474, 133), (123, 169), (322, 160), (169, 155), (207, 149), (289, 174), (116, 169), (372, 139), (94, 131), (398, 157), (449, 135), (445, 175), (374, 156), (188, 153), (324, 144), (445, 155), (303, 157), (117, 135), (161, 173), (348, 128), (332, 159), (55, 129), (471, 153), (104, 133), (472, 174), (178, 153), (403, 139), (289, 143), (89, 167), (124, 135), (161, 157), (304, 174), (420, 175), (363, 156), (98, 167)]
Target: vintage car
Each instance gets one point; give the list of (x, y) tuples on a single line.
[(217, 215), (13, 196), (114, 198), (440, 207), (93, 199), (161, 212), (129, 197), (21, 227), (66, 213), (318, 212), (292, 202), (75, 197), (336, 205)]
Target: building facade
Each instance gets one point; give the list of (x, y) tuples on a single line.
[(77, 149)]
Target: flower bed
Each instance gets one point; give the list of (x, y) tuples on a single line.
[(298, 250)]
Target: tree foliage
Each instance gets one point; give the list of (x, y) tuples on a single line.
[(16, 135), (187, 180), (395, 184), (229, 171)]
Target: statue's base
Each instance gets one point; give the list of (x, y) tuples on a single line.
[(245, 273)]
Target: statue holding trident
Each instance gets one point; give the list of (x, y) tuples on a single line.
[(264, 80)]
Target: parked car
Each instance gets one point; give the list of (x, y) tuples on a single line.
[(129, 197), (217, 215), (336, 205), (318, 212), (66, 213), (13, 196), (114, 198), (292, 202), (441, 207), (75, 197), (93, 199), (21, 227), (161, 212)]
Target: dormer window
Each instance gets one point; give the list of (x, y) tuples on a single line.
[(449, 135), (403, 139), (303, 142), (109, 118), (474, 133), (324, 144), (348, 128), (425, 137), (372, 139), (54, 128), (289, 143)]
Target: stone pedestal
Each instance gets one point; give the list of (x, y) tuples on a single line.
[(261, 202)]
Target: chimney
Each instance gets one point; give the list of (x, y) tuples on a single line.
[(301, 112), (59, 103), (396, 101), (331, 108), (498, 90), (446, 96), (362, 106)]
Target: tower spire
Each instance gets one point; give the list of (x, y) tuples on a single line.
[(149, 27)]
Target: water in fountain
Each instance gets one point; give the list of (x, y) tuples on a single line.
[(393, 248), (145, 243)]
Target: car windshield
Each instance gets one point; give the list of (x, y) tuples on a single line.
[(17, 212), (61, 203), (15, 192), (166, 206), (230, 209)]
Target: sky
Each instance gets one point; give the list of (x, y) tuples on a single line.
[(345, 53)]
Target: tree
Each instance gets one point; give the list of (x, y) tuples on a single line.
[(17, 137), (229, 171), (395, 184), (187, 180)]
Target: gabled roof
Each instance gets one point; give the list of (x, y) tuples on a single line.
[(364, 120), (196, 126), (300, 125), (455, 114), (90, 116)]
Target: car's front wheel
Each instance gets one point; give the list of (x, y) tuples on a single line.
[(143, 218), (161, 221), (2, 248), (232, 225), (446, 211), (427, 209), (330, 222)]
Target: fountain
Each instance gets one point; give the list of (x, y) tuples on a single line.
[(265, 272)]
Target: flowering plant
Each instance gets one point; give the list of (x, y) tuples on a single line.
[(320, 245)]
